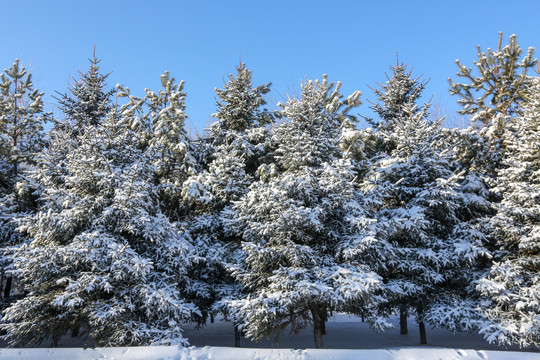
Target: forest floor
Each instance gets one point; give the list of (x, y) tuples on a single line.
[(344, 332)]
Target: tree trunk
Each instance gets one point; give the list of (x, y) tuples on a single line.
[(421, 325), (324, 318), (54, 340), (236, 336), (7, 289), (211, 318), (15, 168), (317, 330), (403, 321), (75, 331)]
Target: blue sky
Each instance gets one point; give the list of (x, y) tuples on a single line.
[(281, 41)]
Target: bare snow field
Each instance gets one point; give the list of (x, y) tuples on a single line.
[(347, 339), (194, 353)]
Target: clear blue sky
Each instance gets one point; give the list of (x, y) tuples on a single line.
[(281, 41)]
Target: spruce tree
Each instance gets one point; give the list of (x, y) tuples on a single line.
[(88, 101), (21, 138), (511, 288), (238, 143), (422, 212), (293, 221), (240, 103), (102, 256), (397, 102), (395, 97)]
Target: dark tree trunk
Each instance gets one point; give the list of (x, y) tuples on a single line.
[(421, 325), (7, 289), (317, 330), (403, 321), (211, 318), (236, 336), (54, 340), (324, 319), (75, 331)]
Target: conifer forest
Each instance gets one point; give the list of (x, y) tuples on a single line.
[(118, 226)]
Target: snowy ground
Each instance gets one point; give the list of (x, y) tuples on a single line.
[(177, 353), (343, 332)]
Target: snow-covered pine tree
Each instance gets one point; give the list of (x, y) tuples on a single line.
[(88, 101), (397, 102), (241, 129), (492, 94), (85, 106), (240, 104), (159, 118), (21, 138), (501, 82), (480, 153), (101, 256), (240, 134), (238, 142), (511, 288), (292, 223), (395, 96), (423, 215), (457, 306), (21, 117)]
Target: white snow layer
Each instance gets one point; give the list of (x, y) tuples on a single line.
[(197, 353)]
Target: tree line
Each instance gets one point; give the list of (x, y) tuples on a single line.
[(118, 227)]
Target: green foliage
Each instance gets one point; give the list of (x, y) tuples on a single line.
[(88, 103), (275, 225), (315, 121), (511, 287), (101, 255), (21, 139), (21, 117), (294, 221), (239, 104), (499, 87), (397, 97), (159, 119), (238, 144)]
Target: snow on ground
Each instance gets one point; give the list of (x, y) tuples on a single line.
[(347, 339), (194, 353)]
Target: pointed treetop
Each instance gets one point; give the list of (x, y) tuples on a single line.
[(239, 102), (87, 103), (397, 97)]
